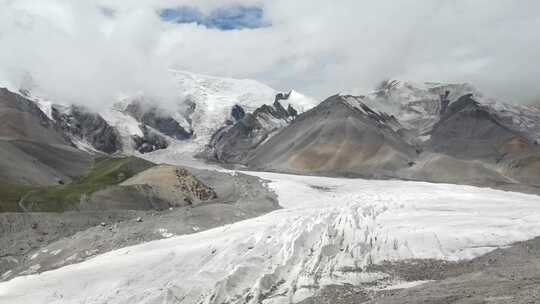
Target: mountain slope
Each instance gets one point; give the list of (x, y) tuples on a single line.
[(340, 136), (470, 130), (469, 140), (86, 129), (21, 118), (163, 130), (36, 163), (241, 135), (33, 149), (418, 106)]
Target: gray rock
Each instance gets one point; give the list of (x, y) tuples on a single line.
[(237, 112), (158, 119), (234, 142), (84, 125), (336, 138), (150, 141)]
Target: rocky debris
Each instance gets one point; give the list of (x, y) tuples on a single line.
[(164, 186), (508, 275), (150, 141), (82, 126), (158, 119), (73, 237), (192, 185), (23, 235)]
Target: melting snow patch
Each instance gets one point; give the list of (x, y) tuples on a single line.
[(403, 285), (6, 274), (56, 252), (72, 257), (165, 233), (32, 269)]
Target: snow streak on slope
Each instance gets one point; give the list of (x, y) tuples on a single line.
[(125, 124), (213, 99), (328, 232)]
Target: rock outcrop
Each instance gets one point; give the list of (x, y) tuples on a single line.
[(150, 141), (156, 118), (160, 187), (445, 137), (87, 129), (242, 134)]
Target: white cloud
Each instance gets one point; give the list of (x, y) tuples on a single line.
[(78, 53)]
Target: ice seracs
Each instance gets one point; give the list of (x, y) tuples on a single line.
[(329, 232)]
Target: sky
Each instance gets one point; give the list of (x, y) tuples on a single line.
[(90, 51)]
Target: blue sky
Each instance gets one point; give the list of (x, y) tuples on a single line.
[(224, 18)]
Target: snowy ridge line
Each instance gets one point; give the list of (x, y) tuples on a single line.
[(417, 105), (214, 98), (328, 232)]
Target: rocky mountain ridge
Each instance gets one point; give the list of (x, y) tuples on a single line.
[(431, 128), (439, 133)]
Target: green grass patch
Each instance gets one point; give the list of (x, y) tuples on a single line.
[(105, 172), (10, 195)]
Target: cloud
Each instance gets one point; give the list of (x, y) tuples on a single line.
[(89, 51), (76, 53)]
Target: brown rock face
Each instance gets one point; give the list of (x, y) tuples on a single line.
[(193, 187), (172, 186)]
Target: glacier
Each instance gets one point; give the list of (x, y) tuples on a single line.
[(329, 231)]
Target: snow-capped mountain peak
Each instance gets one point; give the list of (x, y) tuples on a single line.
[(214, 98), (418, 105)]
